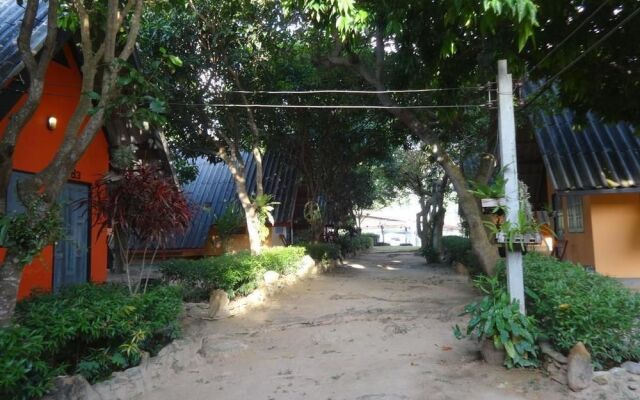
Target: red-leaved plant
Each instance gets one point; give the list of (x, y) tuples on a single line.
[(144, 211)]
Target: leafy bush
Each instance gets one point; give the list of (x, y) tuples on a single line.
[(574, 305), (24, 373), (238, 273), (86, 329), (323, 251), (458, 249), (374, 236), (499, 320), (430, 254), (283, 260), (351, 244)]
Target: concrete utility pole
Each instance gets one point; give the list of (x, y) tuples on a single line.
[(508, 158)]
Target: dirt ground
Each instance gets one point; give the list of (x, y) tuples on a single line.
[(376, 328)]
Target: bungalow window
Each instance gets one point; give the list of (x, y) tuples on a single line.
[(575, 218)]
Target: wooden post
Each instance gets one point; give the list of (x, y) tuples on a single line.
[(508, 158)]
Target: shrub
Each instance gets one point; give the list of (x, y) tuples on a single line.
[(283, 260), (86, 329), (458, 249), (497, 319), (323, 251), (374, 237), (351, 244), (430, 254), (238, 273), (574, 305)]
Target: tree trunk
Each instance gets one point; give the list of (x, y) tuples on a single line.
[(10, 273), (236, 167), (487, 253)]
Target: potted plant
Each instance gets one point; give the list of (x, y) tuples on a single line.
[(505, 334), (492, 196)]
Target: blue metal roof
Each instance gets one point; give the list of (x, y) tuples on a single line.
[(11, 15), (599, 156), (214, 189)]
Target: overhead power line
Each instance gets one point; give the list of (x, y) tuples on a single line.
[(346, 91), (323, 106), (549, 81), (559, 45)]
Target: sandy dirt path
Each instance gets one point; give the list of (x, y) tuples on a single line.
[(376, 328)]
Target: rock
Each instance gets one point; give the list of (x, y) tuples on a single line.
[(631, 367), (579, 368), (548, 350), (215, 345), (73, 387), (633, 387), (271, 277), (219, 304), (601, 378), (491, 354), (461, 269)]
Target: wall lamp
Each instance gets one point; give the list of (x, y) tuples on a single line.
[(52, 122)]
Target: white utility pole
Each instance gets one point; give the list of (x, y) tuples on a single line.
[(508, 158)]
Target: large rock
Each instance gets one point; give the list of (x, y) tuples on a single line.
[(579, 368), (631, 367), (219, 304), (549, 352), (73, 387), (491, 354), (271, 277)]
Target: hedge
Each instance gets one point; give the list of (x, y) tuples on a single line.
[(236, 274), (86, 329), (572, 304), (323, 251), (351, 244)]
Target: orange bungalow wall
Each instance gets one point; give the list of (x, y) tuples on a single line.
[(610, 241), (37, 146)]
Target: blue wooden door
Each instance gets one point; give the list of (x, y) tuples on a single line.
[(71, 253)]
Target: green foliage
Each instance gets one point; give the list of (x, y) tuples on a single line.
[(374, 237), (351, 244), (497, 319), (265, 205), (86, 329), (283, 260), (28, 235), (229, 222), (430, 254), (236, 274), (25, 374), (574, 305), (323, 251), (493, 190), (458, 249)]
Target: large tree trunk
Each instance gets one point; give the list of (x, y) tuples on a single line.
[(439, 211), (486, 252), (10, 274), (234, 162)]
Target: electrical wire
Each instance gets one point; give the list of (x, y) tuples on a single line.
[(346, 91), (299, 106), (318, 106), (559, 45), (549, 81)]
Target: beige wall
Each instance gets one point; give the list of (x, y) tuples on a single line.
[(580, 245), (238, 242), (616, 234)]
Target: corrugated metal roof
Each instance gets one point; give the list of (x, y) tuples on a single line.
[(214, 189), (11, 15), (600, 156)]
